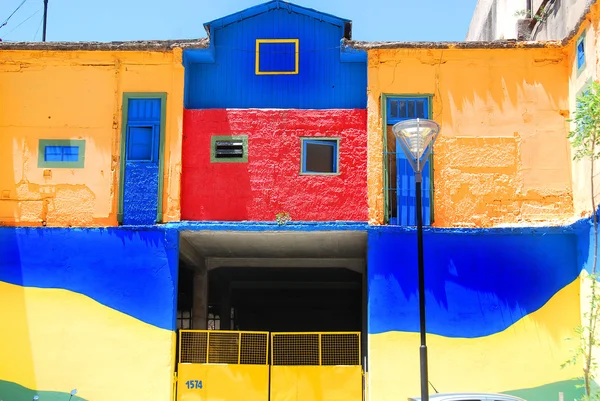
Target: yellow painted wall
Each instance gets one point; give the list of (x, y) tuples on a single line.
[(502, 157), (78, 95), (56, 340), (526, 355)]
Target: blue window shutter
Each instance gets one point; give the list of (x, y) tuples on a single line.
[(407, 108), (140, 144)]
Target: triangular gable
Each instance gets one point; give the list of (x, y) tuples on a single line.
[(222, 22)]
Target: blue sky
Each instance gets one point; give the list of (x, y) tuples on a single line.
[(111, 20)]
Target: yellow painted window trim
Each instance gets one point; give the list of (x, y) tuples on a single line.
[(296, 42)]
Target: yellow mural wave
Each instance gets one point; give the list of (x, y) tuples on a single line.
[(527, 354), (57, 340)]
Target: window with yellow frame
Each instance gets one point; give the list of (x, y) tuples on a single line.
[(277, 56)]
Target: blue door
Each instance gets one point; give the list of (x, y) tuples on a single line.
[(141, 165), (400, 109)]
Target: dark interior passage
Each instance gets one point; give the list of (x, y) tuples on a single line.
[(286, 299)]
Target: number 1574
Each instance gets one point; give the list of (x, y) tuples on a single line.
[(194, 384)]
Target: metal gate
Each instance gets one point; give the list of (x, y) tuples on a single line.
[(223, 365), (233, 366), (316, 367)]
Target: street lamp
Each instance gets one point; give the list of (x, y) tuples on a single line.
[(416, 138)]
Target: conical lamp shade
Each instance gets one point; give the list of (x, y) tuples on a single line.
[(415, 137)]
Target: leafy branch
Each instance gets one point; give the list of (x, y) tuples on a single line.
[(585, 139)]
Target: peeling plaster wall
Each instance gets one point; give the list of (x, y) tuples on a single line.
[(77, 95), (577, 81), (502, 156)]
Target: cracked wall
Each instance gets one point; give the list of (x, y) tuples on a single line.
[(502, 157), (78, 94)]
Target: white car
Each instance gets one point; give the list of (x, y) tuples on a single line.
[(469, 397)]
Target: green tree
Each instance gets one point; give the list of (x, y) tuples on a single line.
[(585, 139)]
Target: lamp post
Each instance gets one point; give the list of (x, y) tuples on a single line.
[(416, 138)]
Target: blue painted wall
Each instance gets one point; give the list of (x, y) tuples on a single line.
[(479, 282), (130, 270), (223, 76)]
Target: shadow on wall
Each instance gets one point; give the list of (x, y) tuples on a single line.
[(212, 190), (488, 280)]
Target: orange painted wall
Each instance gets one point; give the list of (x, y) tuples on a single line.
[(78, 95), (502, 157)]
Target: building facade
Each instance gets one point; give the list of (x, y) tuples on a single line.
[(526, 19), (230, 218)]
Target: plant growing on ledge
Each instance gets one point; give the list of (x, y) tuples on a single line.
[(585, 139), (283, 218), (540, 16)]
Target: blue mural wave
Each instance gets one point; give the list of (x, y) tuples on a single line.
[(478, 282), (132, 270)]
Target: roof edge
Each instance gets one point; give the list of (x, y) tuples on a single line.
[(274, 5), (497, 44), (142, 45)]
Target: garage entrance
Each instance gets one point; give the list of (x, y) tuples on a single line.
[(301, 293)]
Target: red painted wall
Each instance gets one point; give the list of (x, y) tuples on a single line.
[(270, 182)]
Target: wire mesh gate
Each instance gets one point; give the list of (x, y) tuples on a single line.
[(223, 365), (316, 367), (233, 365)]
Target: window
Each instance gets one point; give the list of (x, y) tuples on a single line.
[(399, 109), (581, 52), (61, 153), (277, 56), (229, 149), (320, 156), (184, 319), (141, 144), (213, 322)]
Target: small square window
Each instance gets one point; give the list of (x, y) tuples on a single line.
[(581, 52), (229, 149), (61, 153), (320, 156)]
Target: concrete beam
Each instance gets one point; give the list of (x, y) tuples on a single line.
[(356, 265), (295, 285)]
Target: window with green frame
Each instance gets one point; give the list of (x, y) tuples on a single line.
[(61, 153), (399, 192), (229, 149)]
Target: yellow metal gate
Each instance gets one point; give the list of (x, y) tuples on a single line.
[(223, 366), (316, 367), (234, 365)]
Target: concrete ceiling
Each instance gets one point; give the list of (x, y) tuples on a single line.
[(212, 249)]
